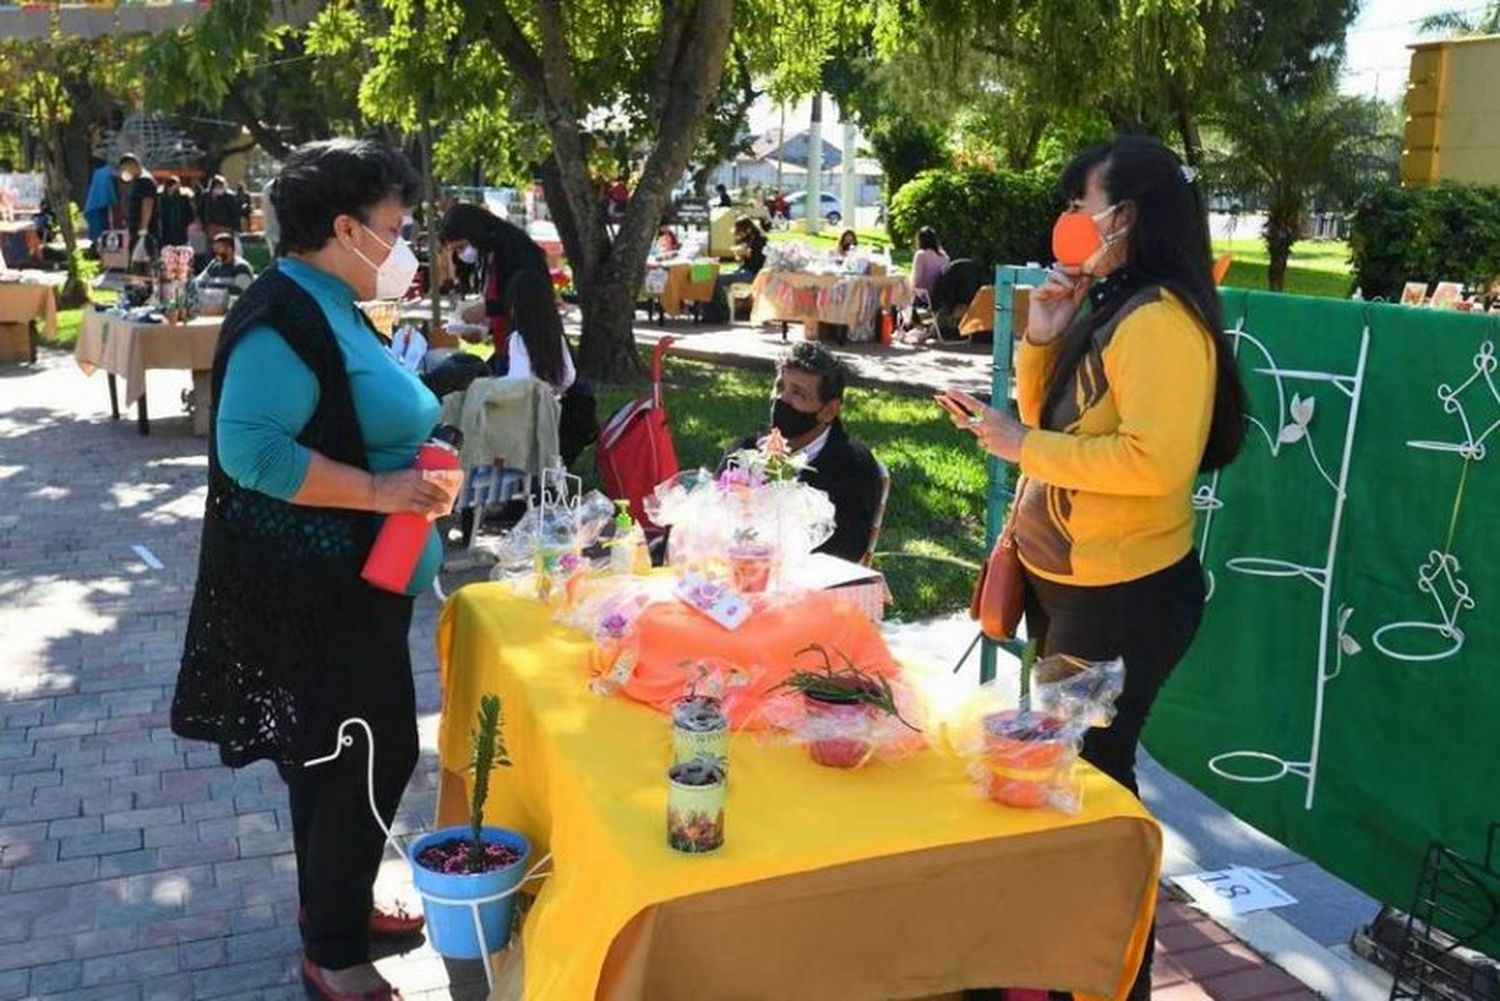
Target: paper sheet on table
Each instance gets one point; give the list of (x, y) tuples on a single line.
[(1232, 892), (820, 572)]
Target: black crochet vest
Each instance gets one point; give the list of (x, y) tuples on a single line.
[(276, 581)]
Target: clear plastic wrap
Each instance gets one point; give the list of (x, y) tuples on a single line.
[(1026, 755), (846, 716), (745, 522)]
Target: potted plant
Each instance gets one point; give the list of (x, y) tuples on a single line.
[(700, 728), (841, 700), (695, 805), (475, 862)]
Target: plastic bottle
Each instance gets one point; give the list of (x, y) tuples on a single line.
[(403, 537), (628, 554)]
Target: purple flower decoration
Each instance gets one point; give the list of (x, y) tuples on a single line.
[(570, 562), (614, 625)]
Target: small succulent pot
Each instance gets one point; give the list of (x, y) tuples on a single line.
[(751, 565), (695, 806), (835, 713), (1028, 755), (700, 729)]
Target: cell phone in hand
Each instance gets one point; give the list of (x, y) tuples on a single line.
[(953, 406)]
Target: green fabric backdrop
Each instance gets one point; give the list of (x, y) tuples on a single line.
[(1405, 751)]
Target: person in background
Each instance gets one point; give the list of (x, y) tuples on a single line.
[(928, 263), (806, 406), (101, 199), (537, 348), (750, 251), (175, 214), (1122, 405), (312, 439), (667, 244), (780, 207), (617, 198), (221, 210), (246, 208), (723, 195), (847, 242), (269, 227), (226, 271), (500, 250), (140, 203)]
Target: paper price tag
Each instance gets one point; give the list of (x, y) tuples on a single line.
[(1231, 892)]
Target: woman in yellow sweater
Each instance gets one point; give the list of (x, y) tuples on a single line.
[(1122, 403)]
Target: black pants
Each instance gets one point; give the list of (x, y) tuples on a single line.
[(1149, 623), (338, 844)]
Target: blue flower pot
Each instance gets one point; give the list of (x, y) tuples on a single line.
[(450, 926)]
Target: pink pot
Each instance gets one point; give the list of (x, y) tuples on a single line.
[(838, 752)]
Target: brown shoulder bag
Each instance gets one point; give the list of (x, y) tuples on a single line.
[(1000, 592)]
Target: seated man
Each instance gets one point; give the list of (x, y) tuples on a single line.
[(226, 271), (807, 399)]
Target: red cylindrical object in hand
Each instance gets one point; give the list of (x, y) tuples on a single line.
[(403, 537)]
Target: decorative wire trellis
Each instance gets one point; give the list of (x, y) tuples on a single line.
[(1454, 920)]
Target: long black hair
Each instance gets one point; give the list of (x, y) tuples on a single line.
[(500, 243), (1167, 246), (532, 307)]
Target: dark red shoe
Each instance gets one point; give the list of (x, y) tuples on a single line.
[(386, 924), (313, 978)]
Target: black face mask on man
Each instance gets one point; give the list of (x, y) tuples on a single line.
[(791, 422)]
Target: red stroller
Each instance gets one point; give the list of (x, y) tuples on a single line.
[(635, 450)]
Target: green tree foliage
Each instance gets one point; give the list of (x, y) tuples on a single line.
[(1447, 232), (46, 82), (242, 60), (992, 216), (1290, 152), (1463, 23)]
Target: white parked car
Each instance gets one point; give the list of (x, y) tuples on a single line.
[(832, 208)]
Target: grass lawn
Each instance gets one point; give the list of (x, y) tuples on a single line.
[(1315, 268), (933, 538)]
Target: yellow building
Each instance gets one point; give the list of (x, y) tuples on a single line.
[(1453, 112)]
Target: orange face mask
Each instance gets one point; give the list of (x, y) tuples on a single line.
[(1077, 241)]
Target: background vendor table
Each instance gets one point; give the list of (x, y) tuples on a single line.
[(681, 287), (889, 881), (23, 302), (856, 312), (127, 349)]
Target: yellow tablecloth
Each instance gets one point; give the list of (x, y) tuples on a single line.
[(22, 302), (589, 786), (680, 287), (128, 349)]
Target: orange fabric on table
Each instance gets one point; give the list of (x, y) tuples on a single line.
[(670, 638)]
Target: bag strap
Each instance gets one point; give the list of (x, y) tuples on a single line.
[(1008, 530)]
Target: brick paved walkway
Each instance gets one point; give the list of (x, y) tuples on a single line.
[(133, 865)]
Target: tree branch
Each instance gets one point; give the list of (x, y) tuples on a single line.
[(674, 22), (237, 103)]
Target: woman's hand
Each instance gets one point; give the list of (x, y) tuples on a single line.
[(1054, 304), (998, 433), (426, 492)]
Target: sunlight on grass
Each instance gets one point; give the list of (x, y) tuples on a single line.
[(1315, 267)]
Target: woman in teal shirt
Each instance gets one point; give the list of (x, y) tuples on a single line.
[(315, 429)]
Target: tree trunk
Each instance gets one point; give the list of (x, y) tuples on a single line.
[(1281, 233), (74, 292), (608, 272), (1187, 124)]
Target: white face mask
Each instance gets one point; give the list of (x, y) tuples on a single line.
[(468, 255), (394, 274)]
